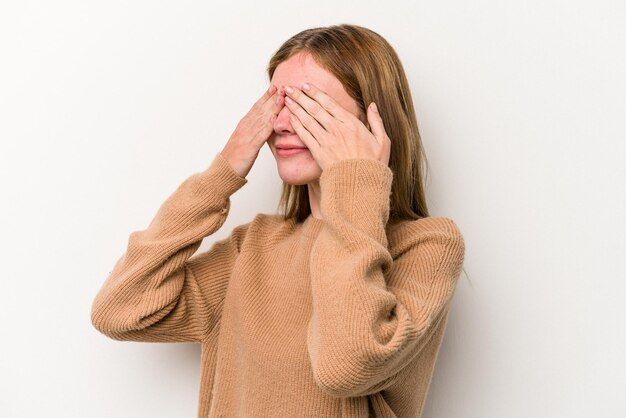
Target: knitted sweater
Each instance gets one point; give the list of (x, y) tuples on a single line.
[(335, 317)]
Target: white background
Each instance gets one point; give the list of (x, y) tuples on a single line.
[(106, 107)]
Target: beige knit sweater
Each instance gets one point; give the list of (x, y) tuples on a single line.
[(340, 317)]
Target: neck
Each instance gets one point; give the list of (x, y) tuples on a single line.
[(315, 195)]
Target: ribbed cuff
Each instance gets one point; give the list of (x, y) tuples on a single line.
[(220, 178), (359, 190)]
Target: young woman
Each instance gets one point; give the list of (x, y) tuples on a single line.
[(337, 306)]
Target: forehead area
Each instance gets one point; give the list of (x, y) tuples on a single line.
[(302, 67)]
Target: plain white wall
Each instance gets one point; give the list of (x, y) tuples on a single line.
[(106, 107)]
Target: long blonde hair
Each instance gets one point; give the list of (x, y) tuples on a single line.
[(370, 71)]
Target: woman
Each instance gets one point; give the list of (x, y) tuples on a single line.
[(334, 308)]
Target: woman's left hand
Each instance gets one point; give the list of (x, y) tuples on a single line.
[(331, 132)]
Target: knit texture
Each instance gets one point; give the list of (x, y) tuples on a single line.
[(335, 317)]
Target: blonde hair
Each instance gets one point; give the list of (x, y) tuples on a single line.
[(370, 71)]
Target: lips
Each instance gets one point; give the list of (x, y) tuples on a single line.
[(284, 152), (290, 147)]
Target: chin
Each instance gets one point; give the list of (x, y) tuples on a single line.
[(298, 172), (298, 177)]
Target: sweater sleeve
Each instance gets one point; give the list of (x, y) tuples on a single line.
[(156, 292), (373, 313)]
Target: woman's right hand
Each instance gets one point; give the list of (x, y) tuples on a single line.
[(253, 131)]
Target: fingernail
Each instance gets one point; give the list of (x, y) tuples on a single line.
[(374, 108)]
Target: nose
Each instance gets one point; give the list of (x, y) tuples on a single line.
[(282, 123)]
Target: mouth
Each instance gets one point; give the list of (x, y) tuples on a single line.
[(290, 147), (288, 152)]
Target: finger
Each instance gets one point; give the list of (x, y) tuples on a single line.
[(376, 122), (275, 104), (266, 96), (268, 126), (304, 118), (329, 104), (313, 108), (269, 111), (309, 140), (272, 107)]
